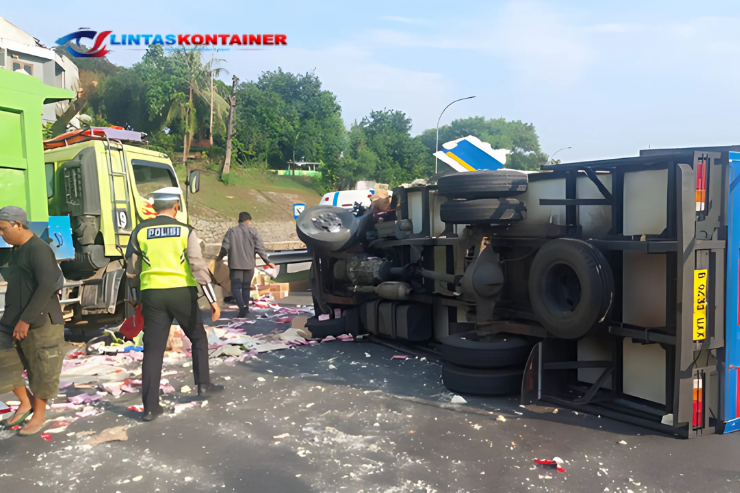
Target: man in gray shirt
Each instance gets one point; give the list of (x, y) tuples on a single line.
[(241, 243)]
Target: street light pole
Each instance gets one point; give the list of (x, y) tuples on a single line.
[(436, 147), (564, 148)]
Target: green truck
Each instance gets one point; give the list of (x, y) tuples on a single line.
[(84, 192)]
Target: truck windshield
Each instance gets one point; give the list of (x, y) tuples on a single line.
[(151, 176)]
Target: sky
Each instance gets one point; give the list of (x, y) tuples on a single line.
[(603, 78)]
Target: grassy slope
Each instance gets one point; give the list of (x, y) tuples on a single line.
[(266, 196)]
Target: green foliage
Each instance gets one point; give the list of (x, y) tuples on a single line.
[(283, 115), (517, 136), (279, 118), (381, 148), (46, 130), (100, 65), (163, 142)]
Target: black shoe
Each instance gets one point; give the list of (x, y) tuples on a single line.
[(206, 389), (152, 415), (243, 313)]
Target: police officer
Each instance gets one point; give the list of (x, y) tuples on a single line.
[(166, 256)]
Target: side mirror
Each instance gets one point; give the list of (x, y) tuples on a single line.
[(194, 181)]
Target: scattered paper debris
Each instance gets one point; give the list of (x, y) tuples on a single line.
[(115, 434), (400, 356), (185, 389), (280, 437), (551, 463), (46, 436), (458, 400), (622, 442), (501, 418)]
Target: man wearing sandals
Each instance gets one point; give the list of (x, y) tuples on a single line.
[(32, 327)]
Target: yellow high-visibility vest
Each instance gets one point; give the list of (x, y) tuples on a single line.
[(164, 262)]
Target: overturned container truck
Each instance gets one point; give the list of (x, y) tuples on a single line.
[(608, 286)]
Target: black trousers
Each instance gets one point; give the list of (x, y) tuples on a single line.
[(160, 307), (241, 286)]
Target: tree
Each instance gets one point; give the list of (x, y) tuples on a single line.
[(229, 130), (380, 147), (182, 110), (215, 71), (282, 115), (92, 64), (517, 136)]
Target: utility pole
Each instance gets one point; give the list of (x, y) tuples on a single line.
[(230, 129), (210, 133)]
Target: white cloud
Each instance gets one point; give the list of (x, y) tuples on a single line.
[(533, 40)]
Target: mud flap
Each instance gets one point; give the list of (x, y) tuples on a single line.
[(111, 282), (532, 381), (100, 293)]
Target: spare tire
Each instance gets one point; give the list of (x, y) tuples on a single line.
[(485, 350), (570, 287), (483, 184), (482, 211), (326, 228), (473, 381)]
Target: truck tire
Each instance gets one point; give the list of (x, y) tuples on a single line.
[(481, 350), (474, 381), (482, 211), (483, 184), (571, 287)]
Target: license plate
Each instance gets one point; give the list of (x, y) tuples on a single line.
[(701, 277)]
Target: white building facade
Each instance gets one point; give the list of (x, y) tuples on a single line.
[(21, 51)]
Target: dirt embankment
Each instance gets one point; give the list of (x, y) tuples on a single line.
[(212, 229)]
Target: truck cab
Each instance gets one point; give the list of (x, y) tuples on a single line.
[(84, 192), (101, 180)]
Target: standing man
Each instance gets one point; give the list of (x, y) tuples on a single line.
[(32, 323), (166, 255), (241, 243)]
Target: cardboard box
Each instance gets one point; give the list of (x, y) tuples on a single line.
[(279, 286), (221, 275)]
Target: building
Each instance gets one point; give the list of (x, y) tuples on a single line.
[(21, 51)]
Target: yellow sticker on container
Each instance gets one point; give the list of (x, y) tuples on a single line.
[(701, 277)]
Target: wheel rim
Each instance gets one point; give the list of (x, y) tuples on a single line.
[(562, 289)]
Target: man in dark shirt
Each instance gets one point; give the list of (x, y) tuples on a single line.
[(241, 243), (32, 326)]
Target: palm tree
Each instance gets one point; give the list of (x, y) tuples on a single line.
[(214, 72), (197, 75), (182, 109)]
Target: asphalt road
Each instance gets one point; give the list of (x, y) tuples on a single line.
[(344, 416)]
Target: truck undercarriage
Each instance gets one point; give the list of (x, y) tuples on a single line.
[(595, 265)]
